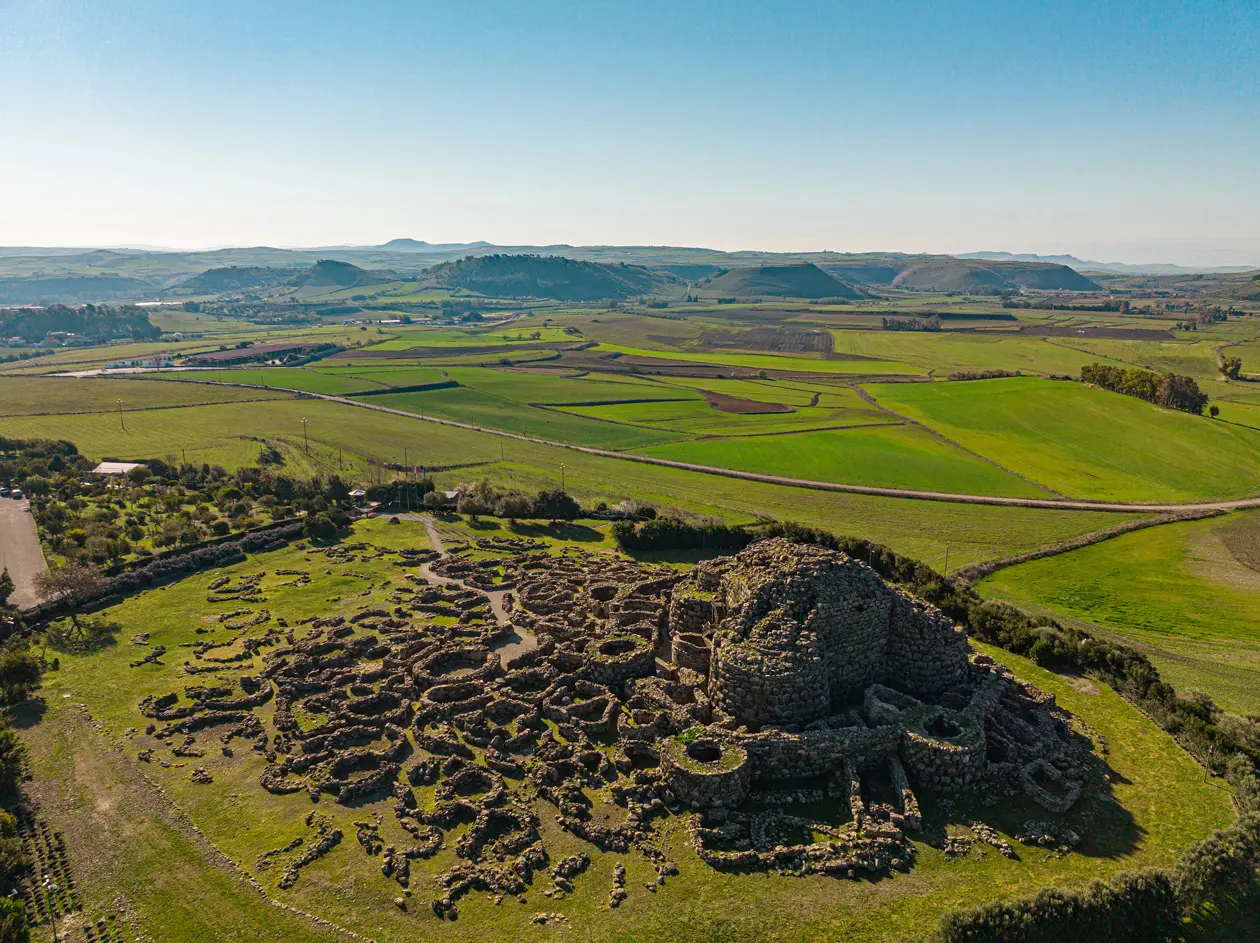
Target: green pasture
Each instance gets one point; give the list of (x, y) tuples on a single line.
[(483, 409), (553, 390), (1179, 591), (889, 456), (946, 352), (510, 334), (769, 361), (1086, 443), (130, 843), (347, 439), (696, 417), (790, 392), (1195, 356), (39, 396)]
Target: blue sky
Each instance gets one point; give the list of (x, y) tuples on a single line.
[(1126, 131)]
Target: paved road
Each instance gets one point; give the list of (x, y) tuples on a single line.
[(950, 496), (20, 552)]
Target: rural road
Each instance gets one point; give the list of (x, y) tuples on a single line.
[(1050, 503), (20, 552)]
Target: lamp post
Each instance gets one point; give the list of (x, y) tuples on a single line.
[(122, 424), (306, 444)]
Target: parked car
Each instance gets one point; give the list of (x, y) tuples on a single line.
[(16, 495)]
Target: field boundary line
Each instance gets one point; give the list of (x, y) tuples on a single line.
[(978, 571), (870, 398), (945, 496)]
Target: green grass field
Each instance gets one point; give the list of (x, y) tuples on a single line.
[(946, 353), (1086, 443), (770, 361), (1193, 356), (697, 417), (344, 438), (125, 836), (1178, 591), (35, 396), (510, 334), (489, 411), (891, 456)]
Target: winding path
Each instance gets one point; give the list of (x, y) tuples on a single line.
[(521, 640)]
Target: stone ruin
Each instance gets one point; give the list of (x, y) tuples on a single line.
[(500, 686)]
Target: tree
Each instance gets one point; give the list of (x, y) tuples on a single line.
[(13, 926), (20, 673), (513, 505), (71, 587), (6, 587), (12, 760), (1231, 367), (1214, 410), (556, 505)]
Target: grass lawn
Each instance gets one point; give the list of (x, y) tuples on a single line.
[(1086, 443), (890, 456), (127, 837), (1179, 591)]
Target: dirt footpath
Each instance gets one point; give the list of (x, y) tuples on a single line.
[(20, 552)]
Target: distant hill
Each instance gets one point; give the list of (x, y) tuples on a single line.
[(73, 289), (234, 278), (329, 273), (1119, 268), (949, 274), (419, 245), (550, 276), (799, 280)]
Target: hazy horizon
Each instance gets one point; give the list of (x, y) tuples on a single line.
[(1115, 134)]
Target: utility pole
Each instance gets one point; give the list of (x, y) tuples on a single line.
[(562, 478), (121, 424), (946, 573), (306, 443), (340, 465)]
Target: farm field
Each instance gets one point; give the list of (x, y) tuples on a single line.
[(944, 353), (348, 439), (1195, 356), (87, 776), (770, 361), (34, 396), (697, 417), (1086, 443), (1187, 594), (892, 456), (510, 334), (483, 409), (557, 391)]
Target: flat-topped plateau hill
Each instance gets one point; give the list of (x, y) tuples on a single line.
[(539, 276)]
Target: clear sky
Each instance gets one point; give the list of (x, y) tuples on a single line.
[(1126, 131)]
